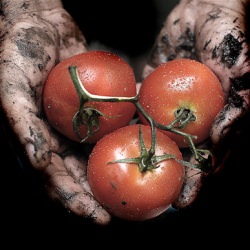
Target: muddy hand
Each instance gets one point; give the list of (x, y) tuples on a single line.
[(213, 32), (34, 37)]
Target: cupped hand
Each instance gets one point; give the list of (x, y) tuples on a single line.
[(215, 33), (34, 37)]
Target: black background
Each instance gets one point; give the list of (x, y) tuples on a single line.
[(30, 219)]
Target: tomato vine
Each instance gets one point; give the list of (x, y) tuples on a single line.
[(202, 156)]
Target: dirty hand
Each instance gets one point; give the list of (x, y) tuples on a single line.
[(213, 32), (34, 37)]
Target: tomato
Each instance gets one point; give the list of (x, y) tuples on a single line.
[(124, 189), (182, 85), (101, 73)]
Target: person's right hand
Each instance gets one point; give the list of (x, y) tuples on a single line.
[(35, 35)]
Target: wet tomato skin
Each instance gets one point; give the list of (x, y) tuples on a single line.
[(102, 73), (182, 83), (121, 188)]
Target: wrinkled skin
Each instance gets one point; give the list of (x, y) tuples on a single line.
[(34, 37), (37, 34), (213, 32)]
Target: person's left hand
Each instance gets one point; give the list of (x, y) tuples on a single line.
[(214, 33)]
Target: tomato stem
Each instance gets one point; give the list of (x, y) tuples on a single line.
[(183, 116), (88, 115), (86, 96)]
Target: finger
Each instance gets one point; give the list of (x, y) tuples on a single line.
[(230, 118), (64, 188), (19, 94), (77, 168), (194, 179), (29, 49), (231, 122)]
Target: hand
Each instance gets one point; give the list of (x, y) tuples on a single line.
[(34, 37), (213, 32)]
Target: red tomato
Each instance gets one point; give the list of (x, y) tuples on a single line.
[(124, 190), (182, 84), (101, 73)]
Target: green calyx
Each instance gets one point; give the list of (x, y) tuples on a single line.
[(147, 159)]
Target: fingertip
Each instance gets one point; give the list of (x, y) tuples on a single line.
[(103, 219), (85, 205), (38, 157), (147, 70)]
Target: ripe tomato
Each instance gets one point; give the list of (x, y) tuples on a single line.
[(101, 73), (124, 190), (186, 85)]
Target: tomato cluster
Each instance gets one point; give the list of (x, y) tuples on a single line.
[(135, 171)]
